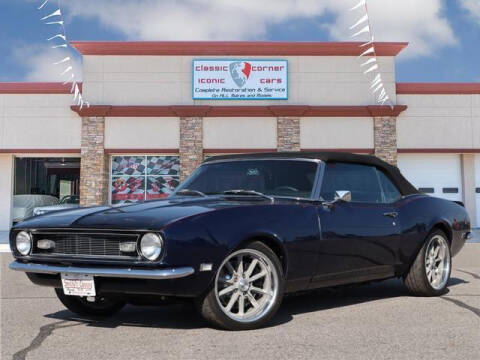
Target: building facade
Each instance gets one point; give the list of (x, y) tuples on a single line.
[(146, 128)]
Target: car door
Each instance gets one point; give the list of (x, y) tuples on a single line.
[(359, 238)]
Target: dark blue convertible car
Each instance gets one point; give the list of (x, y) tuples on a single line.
[(244, 230)]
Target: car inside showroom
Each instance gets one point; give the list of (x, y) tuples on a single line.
[(42, 181)]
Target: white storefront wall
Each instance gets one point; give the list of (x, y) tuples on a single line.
[(167, 80), (240, 133), (142, 133), (336, 133), (438, 122), (38, 121)]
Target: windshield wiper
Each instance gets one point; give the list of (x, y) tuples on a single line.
[(247, 192), (190, 192)]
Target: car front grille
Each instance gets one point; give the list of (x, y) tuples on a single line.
[(85, 244)]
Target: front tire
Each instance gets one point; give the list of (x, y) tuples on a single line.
[(248, 289), (91, 307), (431, 269)]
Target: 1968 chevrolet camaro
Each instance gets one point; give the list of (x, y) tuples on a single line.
[(244, 230)]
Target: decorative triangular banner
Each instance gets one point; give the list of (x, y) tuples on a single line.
[(75, 89), (360, 4), (364, 30), (361, 21), (43, 4), (376, 85), (55, 13)]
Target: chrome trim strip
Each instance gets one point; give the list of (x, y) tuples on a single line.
[(247, 158), (172, 273)]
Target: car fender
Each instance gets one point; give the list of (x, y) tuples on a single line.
[(211, 237)]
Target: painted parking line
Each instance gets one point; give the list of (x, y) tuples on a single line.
[(4, 248)]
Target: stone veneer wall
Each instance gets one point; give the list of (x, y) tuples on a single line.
[(94, 176), (288, 134), (94, 163), (385, 139), (191, 145)]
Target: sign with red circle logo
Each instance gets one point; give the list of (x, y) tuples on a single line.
[(240, 79)]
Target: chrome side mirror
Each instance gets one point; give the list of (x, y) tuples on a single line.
[(343, 195)]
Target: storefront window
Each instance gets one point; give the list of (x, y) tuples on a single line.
[(136, 178)]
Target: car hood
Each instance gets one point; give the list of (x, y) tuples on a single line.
[(143, 216)]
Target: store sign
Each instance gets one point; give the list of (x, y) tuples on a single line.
[(240, 79)]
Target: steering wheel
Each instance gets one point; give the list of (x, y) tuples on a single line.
[(290, 188)]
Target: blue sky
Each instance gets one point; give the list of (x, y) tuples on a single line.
[(444, 35)]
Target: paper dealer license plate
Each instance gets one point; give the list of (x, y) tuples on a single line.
[(78, 285)]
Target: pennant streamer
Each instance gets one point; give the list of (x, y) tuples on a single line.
[(62, 36), (369, 61), (361, 21), (376, 85), (41, 6), (364, 30), (361, 3), (57, 36), (55, 13)]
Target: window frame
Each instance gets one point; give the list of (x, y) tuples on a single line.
[(316, 182), (145, 155), (384, 196), (377, 170)]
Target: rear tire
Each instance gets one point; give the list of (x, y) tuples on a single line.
[(430, 272), (248, 289), (101, 307)]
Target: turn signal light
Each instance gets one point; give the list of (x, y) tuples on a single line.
[(46, 244), (128, 247)]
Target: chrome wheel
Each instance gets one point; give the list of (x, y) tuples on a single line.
[(246, 285), (437, 262)]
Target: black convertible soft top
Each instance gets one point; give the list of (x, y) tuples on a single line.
[(392, 171)]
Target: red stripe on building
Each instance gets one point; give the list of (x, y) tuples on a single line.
[(40, 151), (239, 111), (141, 151), (261, 48), (438, 151), (438, 88), (36, 88)]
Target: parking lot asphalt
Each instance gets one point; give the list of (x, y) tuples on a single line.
[(376, 321)]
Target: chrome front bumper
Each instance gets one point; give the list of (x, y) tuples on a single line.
[(172, 273)]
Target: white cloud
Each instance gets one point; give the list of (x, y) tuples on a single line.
[(39, 62), (473, 8), (422, 23)]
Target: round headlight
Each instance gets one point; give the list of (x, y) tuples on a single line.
[(23, 243), (151, 246)]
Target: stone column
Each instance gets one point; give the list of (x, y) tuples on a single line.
[(94, 175), (191, 145), (468, 186), (385, 138), (288, 134)]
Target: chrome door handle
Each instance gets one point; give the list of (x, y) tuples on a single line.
[(391, 214)]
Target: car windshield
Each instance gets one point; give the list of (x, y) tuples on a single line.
[(287, 178)]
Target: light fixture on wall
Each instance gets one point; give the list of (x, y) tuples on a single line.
[(62, 163)]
